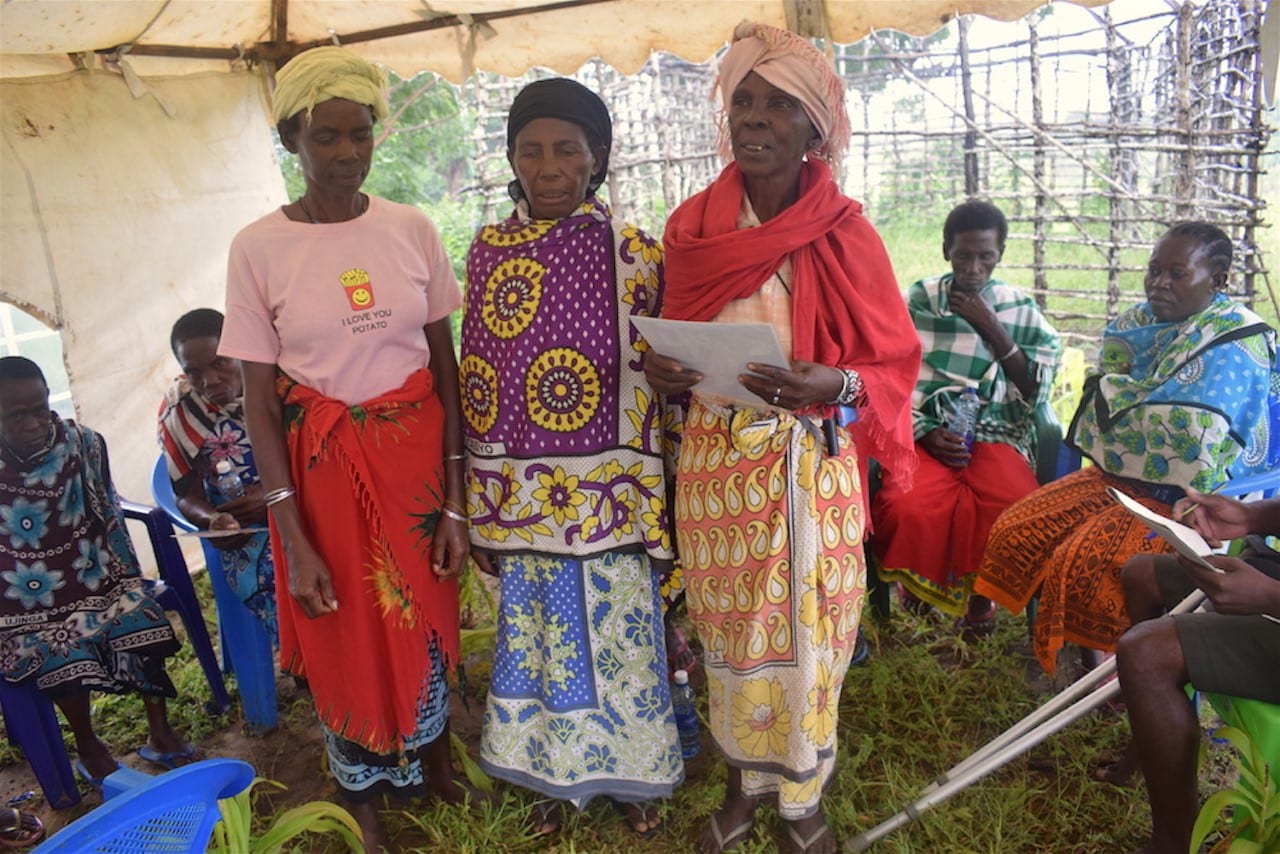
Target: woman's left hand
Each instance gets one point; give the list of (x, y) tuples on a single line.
[(449, 547), (806, 383)]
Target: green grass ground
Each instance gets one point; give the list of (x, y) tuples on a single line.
[(924, 702)]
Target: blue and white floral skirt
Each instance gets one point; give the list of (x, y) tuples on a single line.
[(579, 704)]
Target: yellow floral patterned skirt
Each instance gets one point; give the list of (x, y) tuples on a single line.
[(770, 532)]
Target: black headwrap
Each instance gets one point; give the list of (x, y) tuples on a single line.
[(569, 100)]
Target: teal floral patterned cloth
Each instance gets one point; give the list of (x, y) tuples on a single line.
[(1191, 403), (579, 704), (73, 614)]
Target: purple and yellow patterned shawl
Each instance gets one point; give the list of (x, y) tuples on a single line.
[(564, 434)]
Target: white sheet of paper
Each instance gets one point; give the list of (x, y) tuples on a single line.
[(1185, 541), (718, 351), (214, 535)]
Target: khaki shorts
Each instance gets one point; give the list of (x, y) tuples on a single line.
[(1225, 654)]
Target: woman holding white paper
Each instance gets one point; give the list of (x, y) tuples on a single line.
[(770, 507)]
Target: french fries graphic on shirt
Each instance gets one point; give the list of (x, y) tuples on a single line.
[(359, 289)]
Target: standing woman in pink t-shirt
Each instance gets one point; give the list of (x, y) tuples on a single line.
[(338, 307)]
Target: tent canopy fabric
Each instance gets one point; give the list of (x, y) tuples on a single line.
[(127, 174), (451, 37)]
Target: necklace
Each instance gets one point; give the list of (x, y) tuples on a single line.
[(302, 203)]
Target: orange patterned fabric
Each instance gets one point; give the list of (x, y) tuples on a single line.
[(770, 530), (1069, 539)]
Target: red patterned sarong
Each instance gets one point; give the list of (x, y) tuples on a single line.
[(370, 488)]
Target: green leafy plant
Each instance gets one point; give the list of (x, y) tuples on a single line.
[(234, 834), (1254, 825)]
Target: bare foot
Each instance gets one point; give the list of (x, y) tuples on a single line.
[(810, 835), (458, 791), (728, 826), (372, 832)]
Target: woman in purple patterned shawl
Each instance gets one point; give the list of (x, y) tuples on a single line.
[(567, 492)]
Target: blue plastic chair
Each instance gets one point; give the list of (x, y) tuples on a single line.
[(172, 812), (30, 720), (176, 593), (246, 646), (32, 726)]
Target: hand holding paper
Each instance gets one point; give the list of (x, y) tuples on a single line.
[(1184, 540), (717, 351)]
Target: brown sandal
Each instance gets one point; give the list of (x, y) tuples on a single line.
[(20, 829), (973, 629)]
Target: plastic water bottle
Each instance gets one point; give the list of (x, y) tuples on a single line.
[(964, 416), (229, 483), (686, 715)]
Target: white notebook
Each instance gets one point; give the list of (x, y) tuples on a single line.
[(1185, 541)]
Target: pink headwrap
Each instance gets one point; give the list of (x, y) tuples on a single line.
[(795, 66)]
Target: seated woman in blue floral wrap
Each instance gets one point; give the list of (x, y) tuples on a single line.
[(1186, 394)]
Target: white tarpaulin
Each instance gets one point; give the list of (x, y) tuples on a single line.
[(123, 188), (116, 219)]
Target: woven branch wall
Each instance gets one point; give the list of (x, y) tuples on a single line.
[(1092, 142)]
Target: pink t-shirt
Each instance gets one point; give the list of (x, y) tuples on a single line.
[(340, 307)]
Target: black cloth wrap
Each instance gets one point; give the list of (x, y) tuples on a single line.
[(570, 101)]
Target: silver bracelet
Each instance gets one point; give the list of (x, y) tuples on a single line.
[(457, 517), (453, 457), (1012, 350), (275, 496)]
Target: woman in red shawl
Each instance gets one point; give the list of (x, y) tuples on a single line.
[(770, 509)]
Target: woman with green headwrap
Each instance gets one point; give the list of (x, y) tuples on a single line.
[(338, 307)]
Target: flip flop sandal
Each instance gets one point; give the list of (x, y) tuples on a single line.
[(648, 811), (168, 760), (912, 603), (730, 840), (972, 630), (548, 812), (861, 652), (24, 831), (83, 773), (802, 843)]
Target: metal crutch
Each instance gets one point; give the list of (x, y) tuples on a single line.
[(1055, 715)]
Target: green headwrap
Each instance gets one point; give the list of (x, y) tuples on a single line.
[(322, 73)]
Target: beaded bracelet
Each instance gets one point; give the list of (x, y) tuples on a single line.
[(851, 389), (275, 496)]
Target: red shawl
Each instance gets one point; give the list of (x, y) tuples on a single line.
[(846, 308)]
